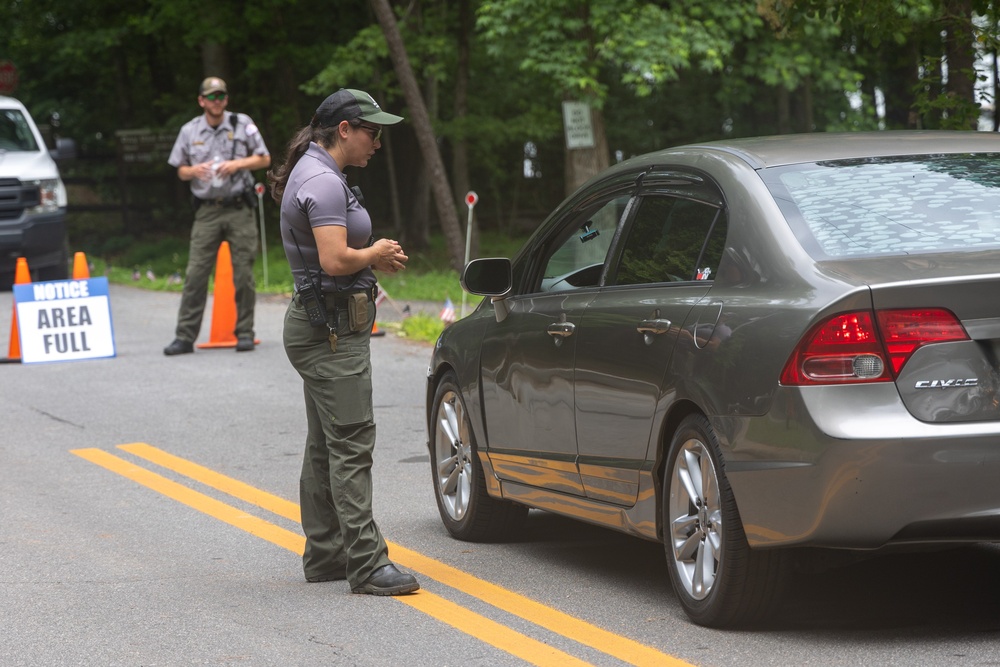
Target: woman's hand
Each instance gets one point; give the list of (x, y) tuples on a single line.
[(389, 256)]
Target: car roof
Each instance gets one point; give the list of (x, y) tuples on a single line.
[(775, 151)]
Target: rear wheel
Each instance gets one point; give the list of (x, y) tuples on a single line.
[(718, 579), (466, 508)]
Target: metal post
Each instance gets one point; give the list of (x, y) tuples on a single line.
[(470, 200), (259, 189)]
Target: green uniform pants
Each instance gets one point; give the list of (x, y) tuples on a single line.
[(212, 226), (335, 489)]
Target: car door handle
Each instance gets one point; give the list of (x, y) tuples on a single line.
[(653, 327), (560, 330)]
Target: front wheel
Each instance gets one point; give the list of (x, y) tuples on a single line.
[(467, 510), (718, 579)]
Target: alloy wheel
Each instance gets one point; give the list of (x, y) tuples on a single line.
[(453, 456), (695, 519)]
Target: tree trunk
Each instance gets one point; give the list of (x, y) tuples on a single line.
[(996, 81), (784, 110), (418, 222), (583, 163), (215, 60), (959, 52), (807, 112), (424, 131)]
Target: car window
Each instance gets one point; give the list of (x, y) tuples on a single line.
[(15, 135), (578, 256), (891, 206), (666, 242)]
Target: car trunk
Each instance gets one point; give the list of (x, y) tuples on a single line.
[(952, 381)]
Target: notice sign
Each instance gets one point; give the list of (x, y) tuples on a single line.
[(64, 320), (578, 126)]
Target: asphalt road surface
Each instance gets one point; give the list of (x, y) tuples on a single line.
[(148, 517)]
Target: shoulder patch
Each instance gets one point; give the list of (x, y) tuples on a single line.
[(251, 130)]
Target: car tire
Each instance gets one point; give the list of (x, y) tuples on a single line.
[(718, 579), (467, 510)]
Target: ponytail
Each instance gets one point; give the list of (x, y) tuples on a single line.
[(277, 177)]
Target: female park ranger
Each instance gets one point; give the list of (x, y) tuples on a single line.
[(326, 234)]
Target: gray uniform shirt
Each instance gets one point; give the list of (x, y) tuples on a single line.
[(316, 195), (199, 142)]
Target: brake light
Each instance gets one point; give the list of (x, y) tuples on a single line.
[(848, 348), (842, 350), (906, 330)]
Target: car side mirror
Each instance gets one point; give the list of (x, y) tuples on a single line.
[(490, 277), (65, 149), (487, 277)]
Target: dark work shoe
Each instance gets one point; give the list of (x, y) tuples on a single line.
[(387, 580), (244, 344), (335, 575), (178, 347)]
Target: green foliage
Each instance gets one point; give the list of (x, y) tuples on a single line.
[(648, 44), (934, 102), (421, 327)]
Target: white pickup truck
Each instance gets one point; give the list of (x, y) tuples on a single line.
[(32, 197)]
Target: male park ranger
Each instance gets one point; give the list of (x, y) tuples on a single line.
[(215, 152)]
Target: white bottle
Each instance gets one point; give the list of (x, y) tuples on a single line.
[(216, 178)]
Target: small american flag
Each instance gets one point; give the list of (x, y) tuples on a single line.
[(448, 312)]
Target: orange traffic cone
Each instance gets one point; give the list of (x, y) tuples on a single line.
[(376, 331), (81, 271), (21, 276), (223, 333)]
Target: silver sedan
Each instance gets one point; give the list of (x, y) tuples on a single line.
[(737, 348)]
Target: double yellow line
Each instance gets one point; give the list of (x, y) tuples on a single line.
[(465, 620)]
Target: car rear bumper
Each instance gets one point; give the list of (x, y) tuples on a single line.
[(849, 467)]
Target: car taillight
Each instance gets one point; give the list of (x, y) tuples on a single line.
[(906, 330), (848, 348), (843, 349)]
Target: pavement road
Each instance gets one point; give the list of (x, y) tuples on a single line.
[(148, 517)]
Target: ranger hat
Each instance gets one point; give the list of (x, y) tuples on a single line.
[(212, 84), (348, 104)]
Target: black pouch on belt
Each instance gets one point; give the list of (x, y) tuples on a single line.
[(357, 311)]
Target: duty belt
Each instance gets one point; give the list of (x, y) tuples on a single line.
[(340, 298), (225, 202), (337, 299)]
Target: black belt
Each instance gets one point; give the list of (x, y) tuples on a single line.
[(224, 202), (340, 298), (337, 299)]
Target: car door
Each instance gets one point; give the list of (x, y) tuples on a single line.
[(528, 358), (663, 268)]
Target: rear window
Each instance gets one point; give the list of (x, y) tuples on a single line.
[(891, 206)]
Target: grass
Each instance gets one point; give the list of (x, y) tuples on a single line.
[(428, 276)]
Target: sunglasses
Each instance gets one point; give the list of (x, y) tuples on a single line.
[(375, 132), (214, 97)]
